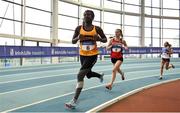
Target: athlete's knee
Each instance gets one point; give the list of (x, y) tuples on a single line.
[(80, 84), (80, 78), (114, 70), (83, 71), (118, 69), (82, 74), (88, 75)]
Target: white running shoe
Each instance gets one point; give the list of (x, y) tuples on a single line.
[(160, 78), (71, 104)]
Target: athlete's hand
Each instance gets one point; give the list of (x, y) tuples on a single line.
[(84, 38), (126, 48), (97, 38), (80, 37), (109, 47)]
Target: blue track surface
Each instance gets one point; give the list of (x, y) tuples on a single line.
[(46, 88)]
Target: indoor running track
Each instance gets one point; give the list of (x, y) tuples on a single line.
[(46, 88)]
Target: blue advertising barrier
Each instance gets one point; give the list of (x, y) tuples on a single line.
[(141, 50), (28, 51), (22, 51)]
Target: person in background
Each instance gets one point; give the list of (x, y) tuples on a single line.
[(116, 45), (166, 53)]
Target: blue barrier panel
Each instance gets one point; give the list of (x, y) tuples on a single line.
[(2, 51), (176, 50), (143, 50), (31, 51), (64, 51)]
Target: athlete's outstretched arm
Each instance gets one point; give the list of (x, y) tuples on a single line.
[(76, 35), (170, 51), (125, 44), (109, 46)]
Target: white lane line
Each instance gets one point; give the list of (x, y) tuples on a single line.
[(40, 86), (55, 75), (62, 64), (55, 97), (30, 73), (39, 67), (60, 71), (67, 64), (49, 71), (43, 67), (108, 103)]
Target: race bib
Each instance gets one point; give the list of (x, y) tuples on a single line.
[(117, 48), (164, 50), (88, 45)]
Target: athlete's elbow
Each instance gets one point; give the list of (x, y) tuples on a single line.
[(74, 42), (104, 40)]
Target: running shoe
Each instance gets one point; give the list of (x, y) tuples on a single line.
[(101, 77), (109, 87), (160, 78), (71, 104), (173, 66), (122, 76)]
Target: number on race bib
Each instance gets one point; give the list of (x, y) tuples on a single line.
[(87, 48), (88, 45)]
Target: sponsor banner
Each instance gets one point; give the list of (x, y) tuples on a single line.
[(27, 51), (21, 51)]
